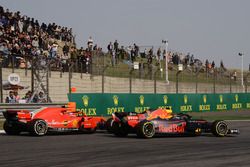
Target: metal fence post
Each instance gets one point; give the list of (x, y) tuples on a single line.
[(214, 81), (70, 77), (81, 69), (196, 83), (155, 83), (196, 80), (12, 63), (245, 80), (1, 81), (177, 81), (130, 80), (26, 66), (230, 82), (32, 74), (49, 68), (103, 82), (103, 71), (61, 72), (47, 80)]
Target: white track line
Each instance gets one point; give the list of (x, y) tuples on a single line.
[(246, 120)]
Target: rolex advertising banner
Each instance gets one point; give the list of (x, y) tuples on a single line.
[(108, 103)]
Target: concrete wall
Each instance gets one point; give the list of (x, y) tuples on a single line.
[(59, 85)]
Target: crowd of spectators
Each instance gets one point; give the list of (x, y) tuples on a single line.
[(13, 97), (22, 37)]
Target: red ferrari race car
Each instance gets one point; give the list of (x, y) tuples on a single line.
[(163, 121), (40, 121)]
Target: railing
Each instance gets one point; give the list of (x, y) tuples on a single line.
[(150, 74)]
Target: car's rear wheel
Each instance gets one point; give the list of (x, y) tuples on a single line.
[(219, 128), (38, 127), (10, 128), (109, 125), (119, 129), (145, 129)]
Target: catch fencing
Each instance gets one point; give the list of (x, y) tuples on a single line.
[(103, 74)]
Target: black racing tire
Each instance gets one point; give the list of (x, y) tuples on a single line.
[(109, 125), (38, 127), (219, 128), (119, 129), (11, 129), (145, 129)]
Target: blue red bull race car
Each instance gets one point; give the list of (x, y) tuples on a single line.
[(163, 121)]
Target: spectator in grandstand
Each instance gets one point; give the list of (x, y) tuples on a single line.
[(5, 54), (16, 55), (110, 48), (74, 57), (235, 75), (17, 97), (122, 53), (35, 42), (213, 64), (90, 43), (64, 62), (66, 49), (207, 64), (222, 65), (53, 50), (187, 59), (113, 60), (136, 48), (164, 54), (116, 46), (57, 32), (41, 98), (27, 97), (20, 25), (158, 54), (11, 98), (88, 65)]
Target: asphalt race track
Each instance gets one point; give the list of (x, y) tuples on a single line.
[(103, 149)]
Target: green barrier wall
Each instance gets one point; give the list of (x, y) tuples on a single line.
[(107, 103)]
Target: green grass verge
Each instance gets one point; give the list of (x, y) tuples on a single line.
[(227, 117), (123, 70)]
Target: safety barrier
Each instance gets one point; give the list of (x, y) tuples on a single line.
[(107, 103)]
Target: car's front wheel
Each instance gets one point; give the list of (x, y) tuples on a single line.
[(38, 127), (219, 128), (145, 129)]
